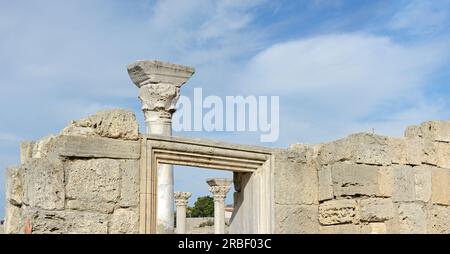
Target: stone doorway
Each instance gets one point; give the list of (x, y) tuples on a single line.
[(251, 167)]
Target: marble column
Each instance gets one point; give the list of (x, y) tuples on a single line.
[(181, 201), (159, 89), (219, 187)]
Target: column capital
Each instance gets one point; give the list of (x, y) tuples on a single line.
[(159, 86), (144, 72), (181, 198), (219, 187)]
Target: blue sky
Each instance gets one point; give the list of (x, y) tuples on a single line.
[(338, 66)]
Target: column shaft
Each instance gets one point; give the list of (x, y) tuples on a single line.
[(165, 209), (219, 216), (181, 219)]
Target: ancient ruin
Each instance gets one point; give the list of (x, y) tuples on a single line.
[(100, 175)]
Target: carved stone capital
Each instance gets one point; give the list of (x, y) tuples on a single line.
[(181, 198), (159, 86), (219, 187), (219, 192), (154, 72), (158, 100)]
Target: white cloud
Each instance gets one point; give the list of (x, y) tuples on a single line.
[(422, 17), (330, 84)]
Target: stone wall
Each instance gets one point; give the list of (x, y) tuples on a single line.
[(70, 194), (366, 183), (194, 225)]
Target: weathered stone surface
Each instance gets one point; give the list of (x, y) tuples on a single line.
[(361, 148), (423, 183), (440, 186), (129, 189), (325, 184), (417, 151), (93, 180), (386, 181), (378, 228), (43, 184), (86, 205), (407, 151), (26, 150), (297, 153), (296, 219), (439, 220), (305, 189), (337, 211), (72, 222), (13, 221), (125, 221), (112, 123), (412, 218), (45, 148), (404, 188), (87, 223), (95, 147), (351, 179), (433, 130), (345, 229), (14, 185), (437, 153), (153, 71), (376, 209)]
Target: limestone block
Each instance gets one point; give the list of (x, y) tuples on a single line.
[(423, 183), (337, 211), (14, 185), (370, 149), (112, 123), (376, 209), (345, 229), (296, 153), (325, 184), (433, 130), (351, 179), (288, 171), (72, 222), (93, 181), (43, 184), (296, 219), (26, 151), (378, 228), (386, 180), (440, 186), (125, 221), (86, 205), (408, 151), (412, 218), (439, 220), (437, 153), (45, 148), (95, 147), (361, 148), (404, 187), (46, 222), (413, 131), (87, 223), (129, 189), (13, 219)]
